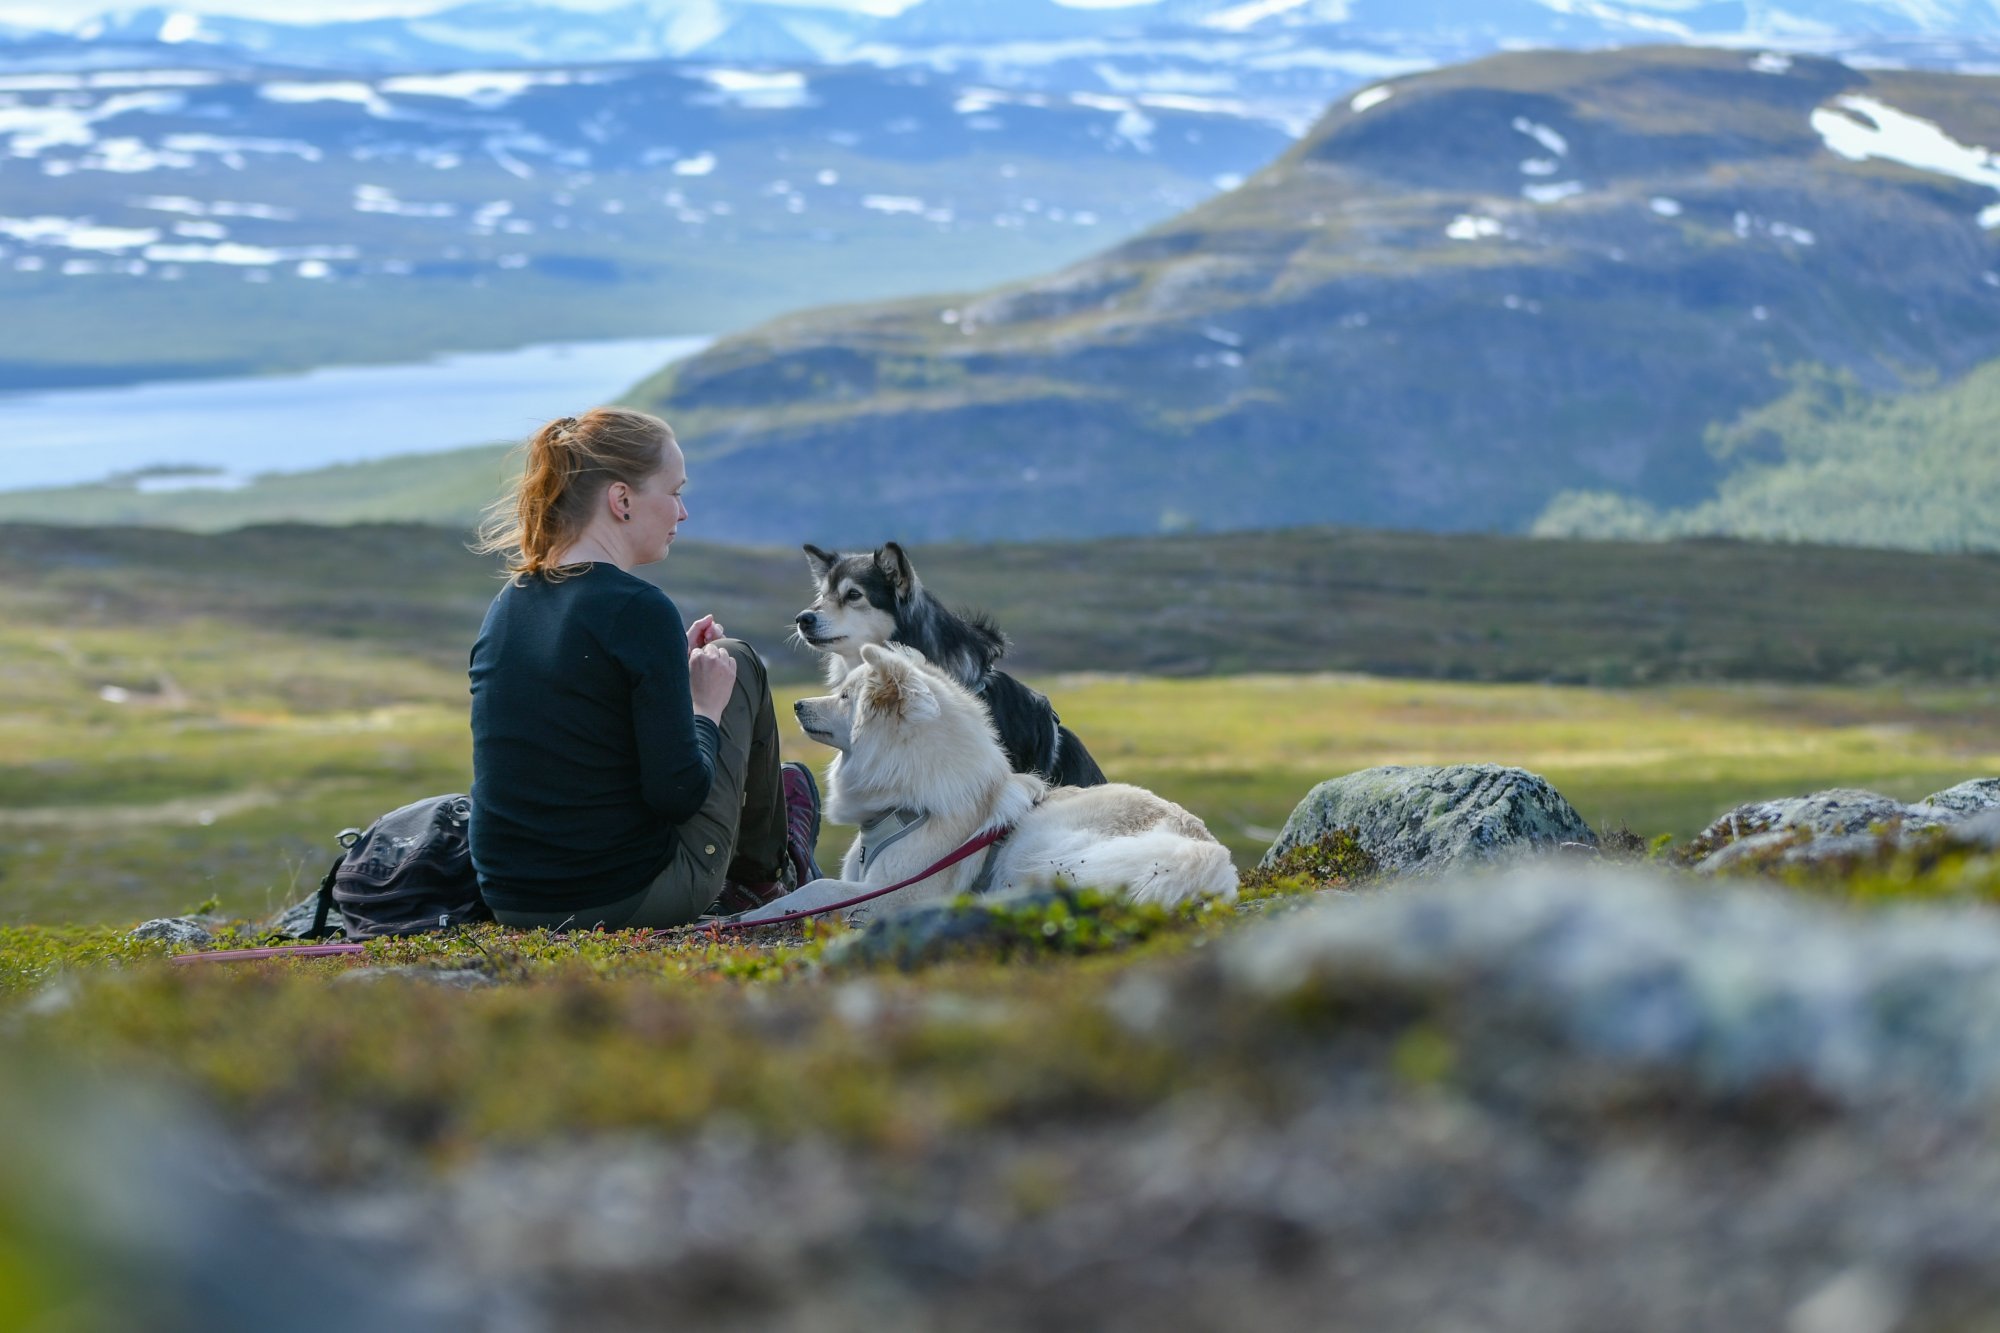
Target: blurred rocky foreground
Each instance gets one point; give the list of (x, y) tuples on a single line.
[(1558, 1093)]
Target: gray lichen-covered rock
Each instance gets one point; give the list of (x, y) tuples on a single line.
[(1964, 800), (158, 1219), (296, 921), (181, 932), (1723, 990), (925, 934), (1430, 818), (1838, 853), (1837, 822), (445, 978), (1016, 923), (1982, 831), (1840, 810)]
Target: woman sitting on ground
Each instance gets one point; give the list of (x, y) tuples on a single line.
[(625, 769)]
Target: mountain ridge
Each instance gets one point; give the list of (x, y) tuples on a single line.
[(1466, 291)]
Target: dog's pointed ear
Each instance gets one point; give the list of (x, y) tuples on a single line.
[(896, 567), (882, 695), (920, 701), (896, 686), (819, 561)]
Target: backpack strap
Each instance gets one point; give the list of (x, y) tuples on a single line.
[(325, 904), (348, 837)]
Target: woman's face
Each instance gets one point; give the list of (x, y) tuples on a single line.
[(657, 511)]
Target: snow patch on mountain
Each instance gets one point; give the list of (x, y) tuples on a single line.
[(360, 94), (1133, 125), (1858, 128), (381, 199), (1239, 17), (1622, 16), (490, 89), (1543, 135), (767, 90), (47, 82), (1552, 194), (29, 130), (77, 234), (240, 255)]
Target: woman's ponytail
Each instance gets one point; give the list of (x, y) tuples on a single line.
[(569, 463)]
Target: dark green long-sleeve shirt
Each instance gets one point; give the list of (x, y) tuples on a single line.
[(585, 748)]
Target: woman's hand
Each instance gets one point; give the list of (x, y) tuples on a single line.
[(703, 632), (711, 679)]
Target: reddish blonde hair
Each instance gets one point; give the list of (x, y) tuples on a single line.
[(569, 463)]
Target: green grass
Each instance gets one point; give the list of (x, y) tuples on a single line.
[(232, 788), (1829, 462)]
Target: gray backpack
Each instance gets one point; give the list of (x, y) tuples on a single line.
[(408, 872)]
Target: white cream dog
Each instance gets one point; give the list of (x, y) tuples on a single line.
[(921, 770)]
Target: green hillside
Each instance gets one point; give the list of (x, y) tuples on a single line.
[(1395, 604), (1461, 295), (1832, 463)]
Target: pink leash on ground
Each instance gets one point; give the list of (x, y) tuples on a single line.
[(279, 951), (978, 844)]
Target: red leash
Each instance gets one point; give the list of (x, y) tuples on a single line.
[(980, 843), (280, 951)]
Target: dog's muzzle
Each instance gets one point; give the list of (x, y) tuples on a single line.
[(808, 623)]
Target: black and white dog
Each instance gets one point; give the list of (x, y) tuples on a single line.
[(864, 599)]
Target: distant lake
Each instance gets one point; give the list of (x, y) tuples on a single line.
[(233, 429)]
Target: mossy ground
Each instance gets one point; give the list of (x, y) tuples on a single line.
[(1335, 861), (374, 1064), (388, 1059)]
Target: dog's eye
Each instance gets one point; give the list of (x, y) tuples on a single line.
[(853, 595)]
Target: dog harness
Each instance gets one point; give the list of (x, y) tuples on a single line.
[(887, 829), (890, 827)]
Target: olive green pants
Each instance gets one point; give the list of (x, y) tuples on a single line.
[(739, 832)]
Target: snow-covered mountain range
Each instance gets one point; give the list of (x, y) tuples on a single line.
[(527, 32), (484, 175), (247, 216)]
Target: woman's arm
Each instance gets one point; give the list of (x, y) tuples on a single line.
[(676, 747)]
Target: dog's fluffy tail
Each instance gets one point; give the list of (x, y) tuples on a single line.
[(1165, 867)]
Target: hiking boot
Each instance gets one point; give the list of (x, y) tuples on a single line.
[(801, 819), (737, 897)]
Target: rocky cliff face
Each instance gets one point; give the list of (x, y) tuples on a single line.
[(1464, 292)]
